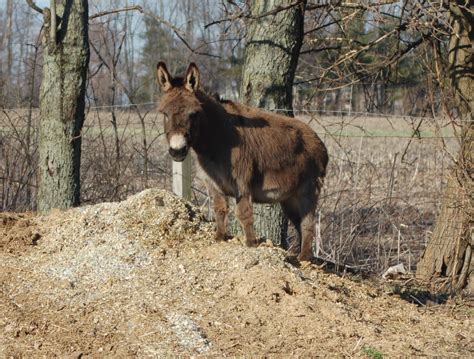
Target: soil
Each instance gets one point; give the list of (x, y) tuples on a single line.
[(144, 277)]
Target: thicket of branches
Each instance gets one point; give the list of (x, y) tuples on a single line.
[(386, 57), (376, 56)]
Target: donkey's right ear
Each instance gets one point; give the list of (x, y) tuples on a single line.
[(163, 77)]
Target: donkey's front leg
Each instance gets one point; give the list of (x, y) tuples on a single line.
[(307, 235), (244, 213), (221, 208)]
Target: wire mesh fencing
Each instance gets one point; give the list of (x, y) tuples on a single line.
[(382, 192)]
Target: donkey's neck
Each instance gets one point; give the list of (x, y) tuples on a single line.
[(216, 131)]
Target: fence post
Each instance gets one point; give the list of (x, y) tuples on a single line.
[(182, 177)]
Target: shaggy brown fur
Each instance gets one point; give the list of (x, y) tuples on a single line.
[(249, 154)]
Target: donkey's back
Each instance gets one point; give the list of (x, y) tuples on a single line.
[(278, 155)]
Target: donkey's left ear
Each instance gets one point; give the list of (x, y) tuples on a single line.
[(192, 78)]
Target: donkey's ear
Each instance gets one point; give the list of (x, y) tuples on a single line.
[(192, 78), (163, 77)]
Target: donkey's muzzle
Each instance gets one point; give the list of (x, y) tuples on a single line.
[(179, 155)]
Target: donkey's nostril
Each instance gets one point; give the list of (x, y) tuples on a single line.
[(178, 153)]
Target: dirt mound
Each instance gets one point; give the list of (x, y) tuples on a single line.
[(17, 232), (144, 277)]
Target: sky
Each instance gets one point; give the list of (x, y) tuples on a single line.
[(40, 3)]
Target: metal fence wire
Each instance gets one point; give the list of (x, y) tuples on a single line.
[(382, 192)]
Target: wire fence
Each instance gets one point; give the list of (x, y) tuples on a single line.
[(383, 189)]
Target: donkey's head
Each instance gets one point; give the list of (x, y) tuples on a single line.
[(181, 109)]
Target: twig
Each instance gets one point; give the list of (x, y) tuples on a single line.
[(241, 14), (234, 17), (417, 300), (175, 29)]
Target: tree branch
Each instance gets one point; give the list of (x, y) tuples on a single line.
[(236, 16), (355, 5), (53, 30), (140, 9), (337, 47), (35, 7), (114, 11), (241, 14), (278, 9), (336, 21)]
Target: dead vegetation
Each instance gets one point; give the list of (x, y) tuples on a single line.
[(144, 277), (381, 195)]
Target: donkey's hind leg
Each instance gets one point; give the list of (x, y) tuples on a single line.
[(307, 202), (307, 235), (307, 206), (244, 213), (291, 211), (221, 208)]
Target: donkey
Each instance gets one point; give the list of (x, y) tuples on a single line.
[(247, 153)]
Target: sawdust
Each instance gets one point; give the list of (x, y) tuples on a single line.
[(143, 277)]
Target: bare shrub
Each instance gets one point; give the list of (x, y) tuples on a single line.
[(381, 195), (18, 159)]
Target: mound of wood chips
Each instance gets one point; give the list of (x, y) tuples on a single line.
[(144, 277)]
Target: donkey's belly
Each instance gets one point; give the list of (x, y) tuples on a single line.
[(269, 196), (273, 187), (223, 185), (218, 177)]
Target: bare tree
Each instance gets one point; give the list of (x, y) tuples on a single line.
[(449, 253), (62, 102), (6, 44)]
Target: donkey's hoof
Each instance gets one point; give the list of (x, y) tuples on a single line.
[(251, 243), (219, 237), (305, 257)]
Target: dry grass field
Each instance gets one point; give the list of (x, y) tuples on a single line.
[(380, 199)]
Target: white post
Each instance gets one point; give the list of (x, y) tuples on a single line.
[(350, 101), (182, 177)]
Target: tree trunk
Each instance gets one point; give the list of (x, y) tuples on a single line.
[(62, 103), (449, 253), (6, 68), (271, 56)]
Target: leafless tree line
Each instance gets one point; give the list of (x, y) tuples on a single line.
[(386, 57), (377, 209), (375, 56)]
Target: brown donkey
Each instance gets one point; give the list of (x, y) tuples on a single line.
[(248, 154)]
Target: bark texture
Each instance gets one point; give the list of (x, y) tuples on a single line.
[(449, 253), (62, 102), (7, 63), (271, 55)]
